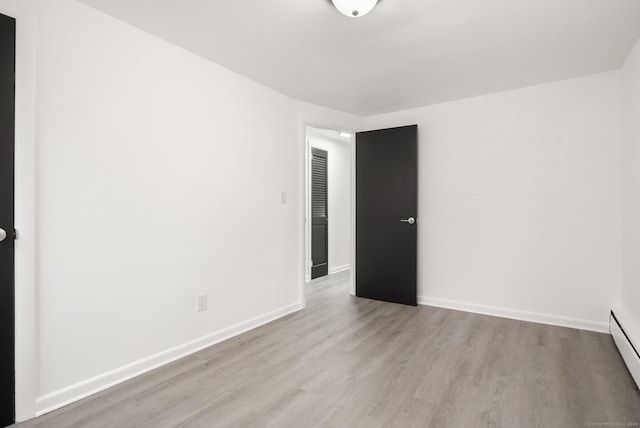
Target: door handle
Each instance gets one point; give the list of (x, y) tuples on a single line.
[(410, 220), (3, 234)]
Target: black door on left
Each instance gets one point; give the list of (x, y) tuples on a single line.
[(7, 132), (319, 214)]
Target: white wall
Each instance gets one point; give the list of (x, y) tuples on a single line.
[(159, 179), (630, 296), (339, 193), (519, 201)]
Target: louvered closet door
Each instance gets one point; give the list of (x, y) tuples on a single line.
[(319, 214)]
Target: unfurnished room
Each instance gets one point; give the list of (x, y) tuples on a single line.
[(320, 213)]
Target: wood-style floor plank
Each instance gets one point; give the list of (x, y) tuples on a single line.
[(349, 362)]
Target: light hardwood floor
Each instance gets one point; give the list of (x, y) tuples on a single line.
[(349, 362)]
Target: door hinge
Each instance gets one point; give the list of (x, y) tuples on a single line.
[(15, 234)]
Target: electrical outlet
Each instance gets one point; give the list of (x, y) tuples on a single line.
[(202, 303)]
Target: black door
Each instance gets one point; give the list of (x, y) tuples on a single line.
[(7, 114), (386, 213), (319, 214)]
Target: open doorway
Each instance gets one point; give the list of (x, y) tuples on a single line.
[(328, 202)]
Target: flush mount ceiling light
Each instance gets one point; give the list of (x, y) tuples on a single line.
[(354, 8)]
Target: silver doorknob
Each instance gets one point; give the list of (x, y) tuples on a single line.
[(410, 220), (3, 234)]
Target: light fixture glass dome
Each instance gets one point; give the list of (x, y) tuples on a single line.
[(354, 8)]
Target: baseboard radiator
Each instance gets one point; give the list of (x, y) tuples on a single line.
[(629, 351)]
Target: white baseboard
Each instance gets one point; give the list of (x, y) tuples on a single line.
[(623, 330), (83, 389), (339, 269), (515, 314)]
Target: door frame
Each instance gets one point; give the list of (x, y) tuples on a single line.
[(305, 205), (25, 194)]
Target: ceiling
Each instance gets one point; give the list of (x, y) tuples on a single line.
[(404, 54)]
